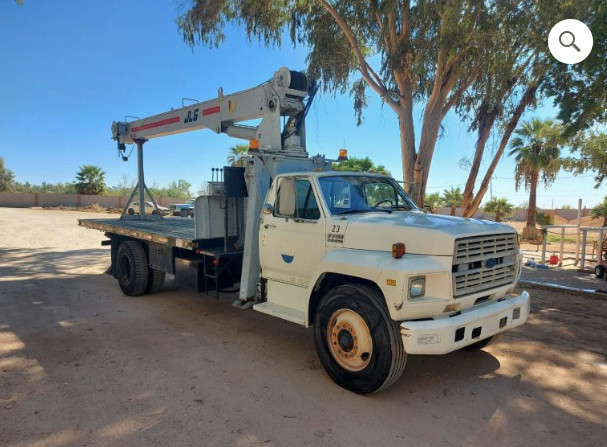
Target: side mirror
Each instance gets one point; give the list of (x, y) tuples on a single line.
[(286, 196), (267, 208)]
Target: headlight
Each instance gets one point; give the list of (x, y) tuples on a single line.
[(417, 287)]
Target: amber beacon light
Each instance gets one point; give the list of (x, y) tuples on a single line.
[(398, 250)]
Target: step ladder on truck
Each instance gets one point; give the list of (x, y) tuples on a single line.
[(348, 254)]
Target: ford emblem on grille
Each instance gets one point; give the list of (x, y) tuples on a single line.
[(489, 263)]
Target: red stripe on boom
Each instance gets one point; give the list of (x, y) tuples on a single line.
[(175, 119), (211, 110)]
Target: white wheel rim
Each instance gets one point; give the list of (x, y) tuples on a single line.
[(349, 340)]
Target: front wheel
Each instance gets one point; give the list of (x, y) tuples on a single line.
[(356, 340), (599, 271)]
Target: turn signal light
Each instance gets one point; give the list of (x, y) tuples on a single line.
[(398, 250)]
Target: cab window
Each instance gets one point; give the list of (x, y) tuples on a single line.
[(297, 200)]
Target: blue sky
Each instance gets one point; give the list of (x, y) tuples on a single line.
[(70, 68)]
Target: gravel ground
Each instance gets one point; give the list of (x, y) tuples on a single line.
[(83, 365)]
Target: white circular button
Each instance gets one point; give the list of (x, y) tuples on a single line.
[(570, 41)]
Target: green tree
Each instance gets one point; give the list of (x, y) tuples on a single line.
[(591, 150), (579, 89), (180, 188), (433, 201), (485, 60), (536, 149), (7, 177), (237, 153), (453, 198), (90, 180), (360, 165), (500, 207), (600, 211)]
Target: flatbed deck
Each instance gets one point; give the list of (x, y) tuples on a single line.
[(176, 232)]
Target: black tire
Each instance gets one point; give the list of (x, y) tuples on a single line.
[(374, 356), (481, 344), (132, 268), (599, 271), (130, 211), (155, 281)]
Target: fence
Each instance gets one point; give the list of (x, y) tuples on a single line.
[(520, 214), (28, 200)]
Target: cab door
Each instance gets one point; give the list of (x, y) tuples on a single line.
[(292, 233)]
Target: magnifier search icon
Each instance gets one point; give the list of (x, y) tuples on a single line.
[(567, 45)]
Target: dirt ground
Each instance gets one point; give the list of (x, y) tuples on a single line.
[(83, 365)]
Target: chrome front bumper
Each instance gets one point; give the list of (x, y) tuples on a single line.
[(447, 334)]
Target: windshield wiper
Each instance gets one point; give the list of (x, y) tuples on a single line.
[(368, 210), (354, 211), (385, 210)]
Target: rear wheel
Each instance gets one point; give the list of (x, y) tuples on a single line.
[(358, 344), (599, 271), (132, 268), (155, 281)]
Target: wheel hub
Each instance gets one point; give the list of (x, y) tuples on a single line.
[(345, 340), (350, 341)]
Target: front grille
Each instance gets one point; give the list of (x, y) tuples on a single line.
[(477, 248), (483, 263)]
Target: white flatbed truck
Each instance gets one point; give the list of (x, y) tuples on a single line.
[(347, 253)]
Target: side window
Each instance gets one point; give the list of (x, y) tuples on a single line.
[(307, 207), (296, 199)]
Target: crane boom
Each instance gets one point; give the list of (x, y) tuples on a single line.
[(281, 96)]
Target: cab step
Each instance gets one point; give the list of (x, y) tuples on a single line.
[(286, 313)]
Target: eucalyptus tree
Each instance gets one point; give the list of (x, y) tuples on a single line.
[(485, 60), (536, 149), (579, 89), (590, 154)]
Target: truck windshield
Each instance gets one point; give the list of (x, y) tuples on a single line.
[(345, 194)]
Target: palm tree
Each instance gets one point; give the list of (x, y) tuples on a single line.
[(237, 153), (90, 180), (601, 211), (501, 208), (537, 153), (453, 198), (433, 201)]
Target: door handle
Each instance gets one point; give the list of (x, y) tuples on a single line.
[(266, 226)]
